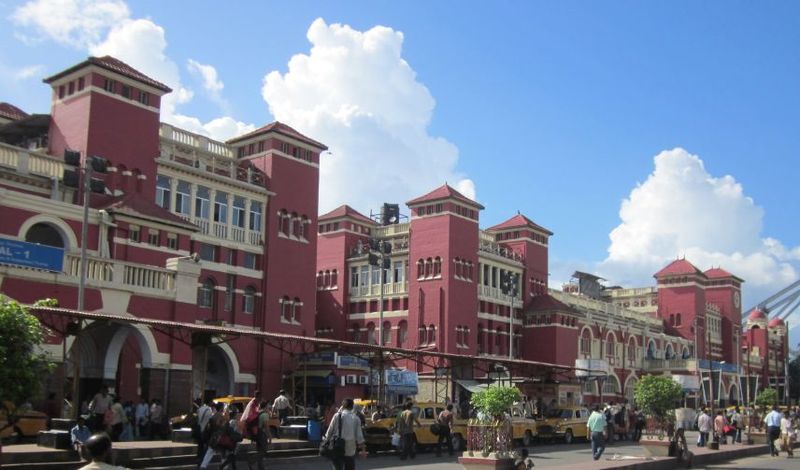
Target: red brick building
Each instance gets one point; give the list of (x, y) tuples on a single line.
[(189, 229)]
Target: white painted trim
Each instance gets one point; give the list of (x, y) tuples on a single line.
[(180, 170), (71, 240), (376, 315), (48, 206), (163, 249), (277, 153), (147, 346)]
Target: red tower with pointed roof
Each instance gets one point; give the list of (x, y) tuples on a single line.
[(682, 302), (724, 290)]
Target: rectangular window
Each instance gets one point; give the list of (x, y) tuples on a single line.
[(81, 83), (255, 216), (202, 202), (71, 88), (285, 148), (163, 186), (261, 146), (376, 272), (134, 233), (221, 207), (207, 252), (238, 212), (399, 274), (126, 91), (108, 85), (172, 241), (231, 257), (152, 237), (182, 198), (61, 92), (353, 277), (230, 285), (249, 260), (364, 276), (144, 98)]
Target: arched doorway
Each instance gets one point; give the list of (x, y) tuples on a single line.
[(45, 234), (733, 395), (219, 373), (630, 388)]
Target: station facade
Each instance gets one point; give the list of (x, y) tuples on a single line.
[(194, 230)]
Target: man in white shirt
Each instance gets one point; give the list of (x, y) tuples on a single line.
[(98, 407), (773, 422), (203, 417), (281, 406), (704, 425), (141, 415), (99, 449), (351, 433)]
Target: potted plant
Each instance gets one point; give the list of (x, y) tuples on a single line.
[(764, 401), (489, 437), (656, 396)]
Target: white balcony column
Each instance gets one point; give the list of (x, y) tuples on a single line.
[(246, 216), (212, 198), (229, 220), (173, 193), (193, 202)]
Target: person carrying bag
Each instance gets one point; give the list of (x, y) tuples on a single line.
[(343, 438)]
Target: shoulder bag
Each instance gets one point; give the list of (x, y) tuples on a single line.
[(333, 447)]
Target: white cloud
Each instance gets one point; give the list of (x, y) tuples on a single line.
[(75, 23), (354, 92), (208, 73), (682, 210), (31, 71), (222, 128)]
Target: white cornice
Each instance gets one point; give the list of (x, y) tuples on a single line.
[(174, 168), (42, 205)]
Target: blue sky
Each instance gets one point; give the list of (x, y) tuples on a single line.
[(556, 109)]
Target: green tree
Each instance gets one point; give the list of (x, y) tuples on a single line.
[(22, 364), (494, 401), (657, 396), (767, 398)]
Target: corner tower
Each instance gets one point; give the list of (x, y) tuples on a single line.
[(103, 106), (724, 290), (682, 303)]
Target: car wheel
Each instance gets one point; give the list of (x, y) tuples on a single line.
[(527, 439), (458, 443), (18, 435), (568, 438)]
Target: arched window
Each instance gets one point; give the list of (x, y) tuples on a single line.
[(205, 294), (423, 335), (428, 268), (669, 352), (286, 308), (685, 354), (44, 234), (402, 333), (437, 267), (371, 335), (297, 305), (334, 278), (611, 386), (631, 351), (420, 269), (586, 342), (431, 334), (611, 345), (672, 319), (678, 320), (466, 336), (282, 222), (320, 280), (651, 349), (387, 333), (249, 300), (301, 227)]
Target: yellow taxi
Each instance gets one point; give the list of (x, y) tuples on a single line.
[(378, 434), (564, 422), (523, 425), (28, 422), (230, 401)]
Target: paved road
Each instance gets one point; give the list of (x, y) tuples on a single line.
[(760, 463)]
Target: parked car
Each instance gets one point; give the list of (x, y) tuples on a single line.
[(566, 422), (28, 422), (524, 426), (378, 434)]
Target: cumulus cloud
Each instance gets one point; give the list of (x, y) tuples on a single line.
[(682, 210), (354, 91), (105, 27), (75, 23)]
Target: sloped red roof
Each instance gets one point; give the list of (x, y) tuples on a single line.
[(546, 302), (719, 273), (679, 266), (346, 211), (8, 110), (757, 314), (139, 207), (520, 220), (775, 322), (279, 128), (444, 192), (115, 65)]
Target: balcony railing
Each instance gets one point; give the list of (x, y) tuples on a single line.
[(390, 230), (25, 162), (391, 288), (604, 307), (101, 272), (494, 293), (655, 365), (223, 231)]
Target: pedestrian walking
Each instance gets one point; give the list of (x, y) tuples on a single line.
[(98, 407), (225, 438), (445, 421), (737, 423), (639, 422), (346, 425), (281, 406), (156, 417), (204, 414), (405, 426), (704, 426), (98, 449), (597, 427), (262, 436), (787, 435), (248, 422), (721, 429), (79, 434), (142, 417), (117, 419), (773, 423)]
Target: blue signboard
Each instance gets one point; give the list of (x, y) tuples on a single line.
[(352, 362), (401, 381), (327, 357), (31, 255), (705, 364)]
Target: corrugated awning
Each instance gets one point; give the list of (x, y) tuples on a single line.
[(472, 386), (312, 373)]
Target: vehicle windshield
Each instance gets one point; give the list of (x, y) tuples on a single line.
[(559, 413)]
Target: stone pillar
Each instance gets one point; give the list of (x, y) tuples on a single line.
[(200, 344), (187, 272)]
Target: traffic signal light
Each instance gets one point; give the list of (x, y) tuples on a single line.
[(390, 214), (72, 157)]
